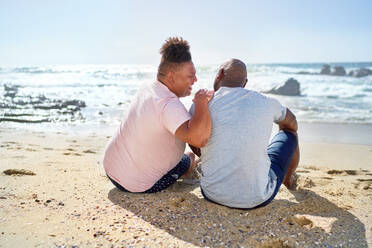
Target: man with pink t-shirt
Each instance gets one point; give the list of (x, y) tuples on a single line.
[(147, 152)]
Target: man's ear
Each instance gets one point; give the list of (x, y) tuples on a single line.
[(219, 77), (170, 76), (220, 74)]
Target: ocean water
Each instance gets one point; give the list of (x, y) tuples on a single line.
[(41, 96)]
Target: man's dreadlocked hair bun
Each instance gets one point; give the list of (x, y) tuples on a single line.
[(175, 50)]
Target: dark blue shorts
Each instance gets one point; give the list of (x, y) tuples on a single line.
[(280, 151), (167, 180)]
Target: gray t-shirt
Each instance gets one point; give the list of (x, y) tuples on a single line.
[(235, 165)]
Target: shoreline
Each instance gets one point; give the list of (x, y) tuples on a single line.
[(312, 132)]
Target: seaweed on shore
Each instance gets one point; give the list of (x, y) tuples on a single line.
[(10, 172)]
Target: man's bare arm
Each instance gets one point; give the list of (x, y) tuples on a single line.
[(197, 130), (289, 123)]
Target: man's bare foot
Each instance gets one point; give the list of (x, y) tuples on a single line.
[(193, 164), (291, 182)]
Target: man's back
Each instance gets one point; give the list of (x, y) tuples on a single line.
[(235, 165), (138, 154)]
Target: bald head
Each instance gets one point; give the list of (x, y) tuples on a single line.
[(232, 73)]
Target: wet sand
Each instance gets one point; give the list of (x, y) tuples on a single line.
[(70, 202)]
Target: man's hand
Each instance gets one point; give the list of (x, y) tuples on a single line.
[(202, 96)]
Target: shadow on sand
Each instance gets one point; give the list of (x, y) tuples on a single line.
[(182, 212)]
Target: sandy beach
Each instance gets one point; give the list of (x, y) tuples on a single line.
[(70, 203)]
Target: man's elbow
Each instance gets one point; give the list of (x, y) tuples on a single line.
[(290, 122), (205, 138), (204, 142), (200, 141)]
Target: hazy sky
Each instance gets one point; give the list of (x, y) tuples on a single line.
[(35, 32)]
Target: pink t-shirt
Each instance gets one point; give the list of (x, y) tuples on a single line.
[(145, 147)]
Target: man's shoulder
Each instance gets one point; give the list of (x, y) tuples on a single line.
[(263, 98), (159, 94), (238, 92)]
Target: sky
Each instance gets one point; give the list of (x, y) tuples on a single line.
[(36, 32)]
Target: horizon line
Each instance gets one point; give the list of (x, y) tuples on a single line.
[(200, 64)]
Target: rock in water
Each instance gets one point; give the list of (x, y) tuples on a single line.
[(326, 70), (338, 71), (363, 72), (290, 88), (10, 90)]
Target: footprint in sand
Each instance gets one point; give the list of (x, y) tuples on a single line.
[(176, 202), (364, 180), (305, 182), (328, 178), (366, 172), (334, 172), (89, 151), (335, 192), (311, 167), (10, 142), (302, 171), (30, 149), (312, 221), (300, 220), (340, 172), (72, 153), (367, 187), (365, 184), (351, 172)]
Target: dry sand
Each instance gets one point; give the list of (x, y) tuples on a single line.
[(70, 202)]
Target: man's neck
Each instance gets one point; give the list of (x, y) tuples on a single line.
[(161, 80), (231, 84), (165, 83)]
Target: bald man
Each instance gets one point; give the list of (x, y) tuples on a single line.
[(240, 169)]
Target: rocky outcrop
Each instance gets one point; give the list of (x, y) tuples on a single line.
[(362, 72), (10, 90), (16, 107), (326, 70), (338, 71), (291, 87)]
